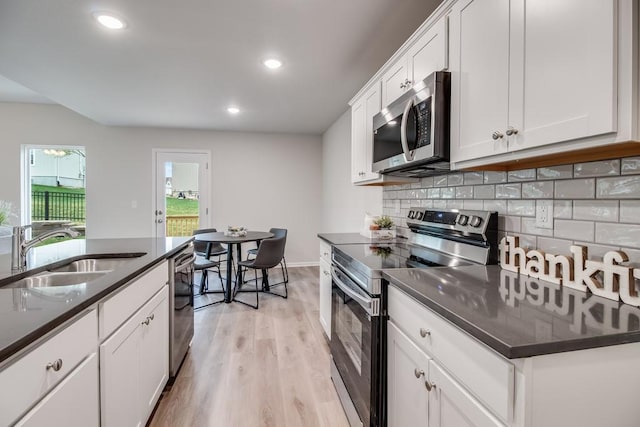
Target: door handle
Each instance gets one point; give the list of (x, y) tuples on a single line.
[(408, 154)]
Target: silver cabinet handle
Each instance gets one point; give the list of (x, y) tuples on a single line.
[(326, 273), (153, 316), (424, 332), (402, 85), (429, 386), (511, 131), (55, 365), (418, 373), (326, 253), (497, 135), (148, 319)]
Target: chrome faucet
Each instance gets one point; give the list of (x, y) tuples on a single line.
[(20, 246)]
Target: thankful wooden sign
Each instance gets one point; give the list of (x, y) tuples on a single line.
[(606, 278)]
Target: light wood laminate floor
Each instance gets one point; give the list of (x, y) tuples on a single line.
[(266, 367)]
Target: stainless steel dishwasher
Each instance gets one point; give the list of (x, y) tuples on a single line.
[(181, 272)]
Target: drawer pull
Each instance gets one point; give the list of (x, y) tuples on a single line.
[(429, 386), (326, 273), (55, 365), (424, 332), (326, 253), (418, 373), (153, 316)]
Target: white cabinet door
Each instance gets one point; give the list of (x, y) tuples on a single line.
[(154, 355), (407, 370), (119, 376), (358, 140), (134, 365), (362, 113), (395, 81), (325, 297), (430, 52), (479, 63), (450, 405), (563, 73), (72, 403)]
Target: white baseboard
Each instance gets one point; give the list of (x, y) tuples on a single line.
[(303, 264)]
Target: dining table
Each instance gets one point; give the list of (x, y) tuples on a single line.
[(230, 240)]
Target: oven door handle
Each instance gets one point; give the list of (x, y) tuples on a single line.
[(371, 305), (408, 154)]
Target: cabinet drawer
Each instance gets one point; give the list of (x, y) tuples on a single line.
[(117, 309), (27, 380), (325, 251), (488, 376)]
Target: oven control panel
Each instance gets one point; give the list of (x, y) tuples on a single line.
[(466, 221)]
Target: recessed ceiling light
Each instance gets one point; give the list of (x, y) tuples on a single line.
[(109, 21), (233, 110), (272, 63)]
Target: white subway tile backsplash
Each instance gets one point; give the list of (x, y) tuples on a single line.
[(484, 192), (630, 211), (556, 172), (499, 206), (600, 168), (529, 227), (623, 187), (596, 210), (508, 191), (440, 181), (575, 188), (476, 205), (454, 179), (563, 209), (465, 192), (495, 177), (473, 178), (537, 190), (618, 234), (521, 207), (574, 230), (448, 193), (595, 251), (427, 182), (521, 175), (630, 165), (554, 246), (589, 206), (509, 223)]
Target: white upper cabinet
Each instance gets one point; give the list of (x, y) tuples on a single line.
[(362, 112), (526, 73), (429, 53)]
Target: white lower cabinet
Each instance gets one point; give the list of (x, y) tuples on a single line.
[(407, 370), (135, 365), (72, 403), (325, 297), (450, 405)]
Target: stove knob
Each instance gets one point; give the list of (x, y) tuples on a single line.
[(475, 221), (462, 219), (411, 214), (419, 215)]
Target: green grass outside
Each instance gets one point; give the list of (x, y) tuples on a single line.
[(61, 211), (181, 206)]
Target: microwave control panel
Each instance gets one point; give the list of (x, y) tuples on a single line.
[(423, 122)]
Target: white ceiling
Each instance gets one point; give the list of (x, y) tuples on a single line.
[(181, 63)]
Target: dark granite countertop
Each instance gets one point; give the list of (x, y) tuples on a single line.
[(516, 315), (354, 238), (27, 314)]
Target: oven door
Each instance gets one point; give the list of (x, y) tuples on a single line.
[(356, 347)]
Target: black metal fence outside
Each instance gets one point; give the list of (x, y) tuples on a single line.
[(47, 205)]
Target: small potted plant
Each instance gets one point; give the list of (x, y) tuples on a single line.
[(382, 228)]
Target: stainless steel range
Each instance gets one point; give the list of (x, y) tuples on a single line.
[(439, 238)]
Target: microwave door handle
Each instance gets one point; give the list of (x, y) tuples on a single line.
[(408, 154), (364, 302)]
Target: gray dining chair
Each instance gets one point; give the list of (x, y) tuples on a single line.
[(277, 233), (269, 255)]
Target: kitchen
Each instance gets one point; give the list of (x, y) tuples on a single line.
[(589, 199)]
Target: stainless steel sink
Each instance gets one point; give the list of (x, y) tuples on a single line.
[(93, 264), (51, 279)]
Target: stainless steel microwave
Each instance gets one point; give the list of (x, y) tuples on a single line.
[(411, 135)]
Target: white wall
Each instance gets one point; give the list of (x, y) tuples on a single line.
[(343, 204), (259, 180)]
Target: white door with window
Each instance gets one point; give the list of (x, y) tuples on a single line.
[(181, 192)]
